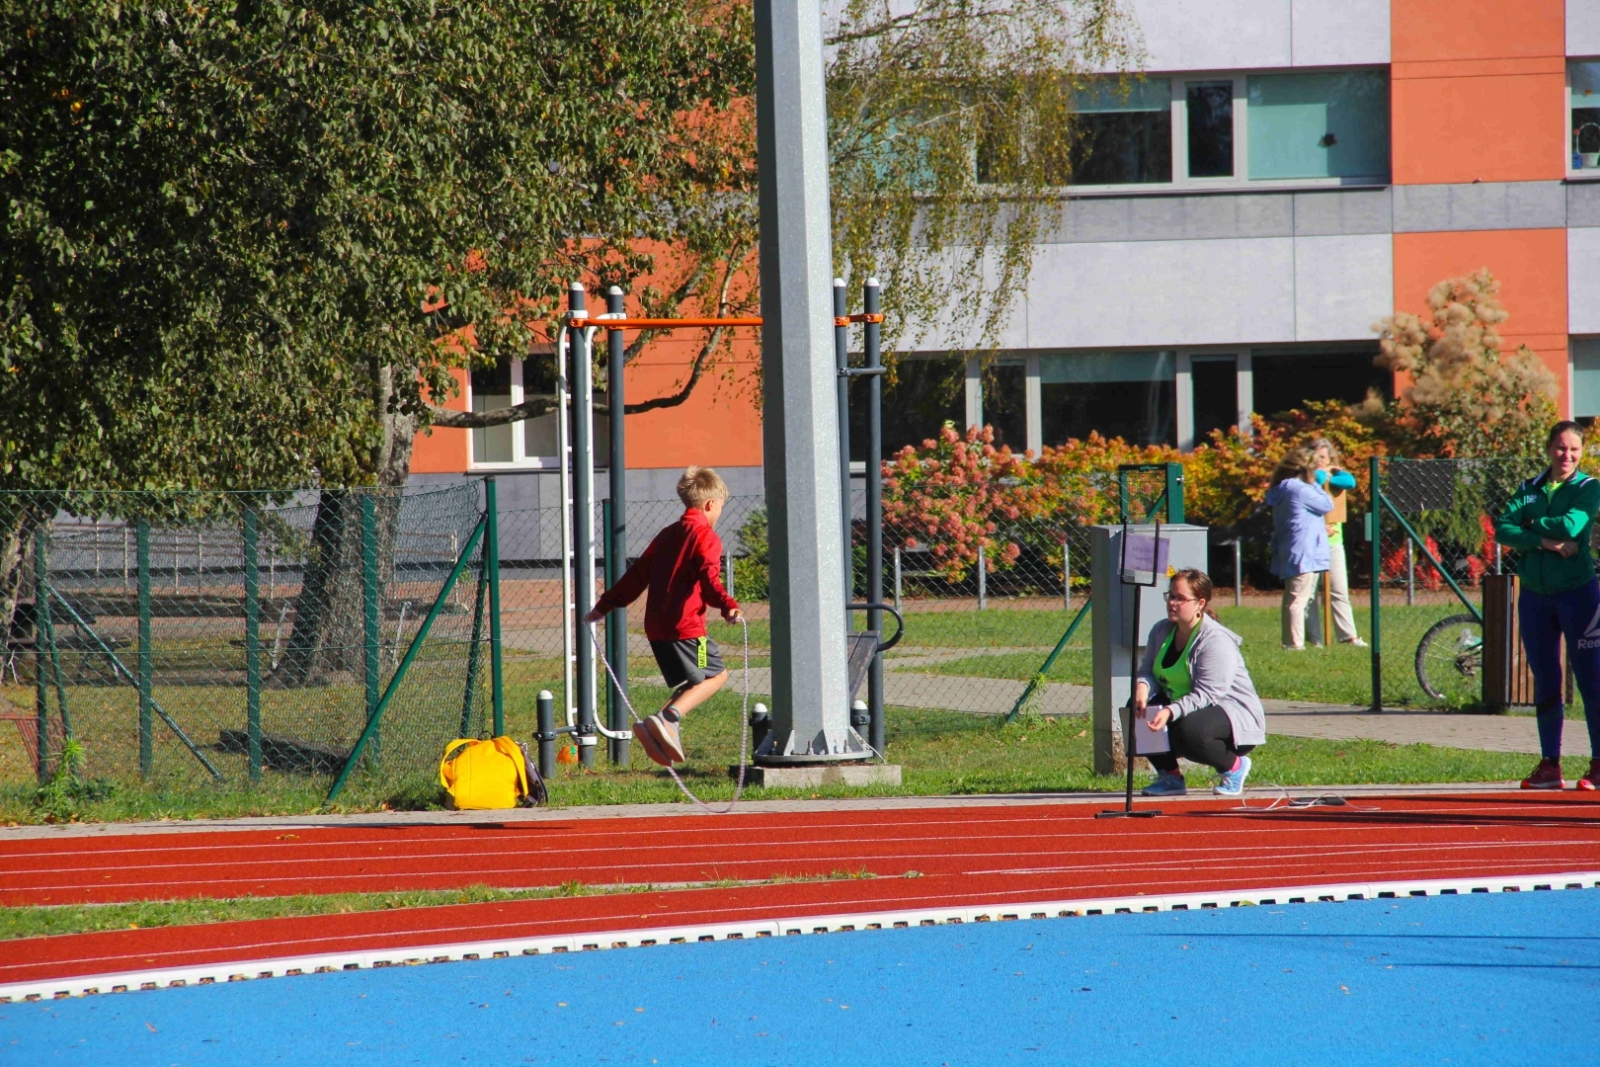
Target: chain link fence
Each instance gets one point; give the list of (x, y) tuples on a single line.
[(1436, 545), (232, 638)]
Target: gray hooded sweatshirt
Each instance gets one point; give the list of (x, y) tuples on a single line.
[(1219, 675)]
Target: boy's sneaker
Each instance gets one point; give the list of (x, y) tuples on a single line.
[(642, 733), (663, 732), (1545, 776), (1591, 781), (1165, 785), (1231, 784)]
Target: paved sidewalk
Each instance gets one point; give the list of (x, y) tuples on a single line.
[(1489, 733)]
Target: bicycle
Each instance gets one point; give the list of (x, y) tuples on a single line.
[(1449, 661)]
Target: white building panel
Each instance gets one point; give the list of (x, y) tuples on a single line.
[(1342, 285), (1583, 28), (948, 336), (1162, 293), (1215, 34), (1336, 33), (1583, 281)]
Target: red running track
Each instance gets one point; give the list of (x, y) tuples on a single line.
[(964, 855)]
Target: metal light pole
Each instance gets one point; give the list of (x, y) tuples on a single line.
[(800, 437)]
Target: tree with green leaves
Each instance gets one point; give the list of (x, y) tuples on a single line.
[(245, 243)]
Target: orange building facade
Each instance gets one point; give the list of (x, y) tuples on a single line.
[(1288, 173)]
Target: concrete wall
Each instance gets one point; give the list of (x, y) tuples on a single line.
[(1255, 34)]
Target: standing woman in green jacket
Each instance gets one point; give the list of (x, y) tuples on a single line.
[(1548, 522)]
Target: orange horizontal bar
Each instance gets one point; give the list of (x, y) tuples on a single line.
[(659, 324), (865, 316)]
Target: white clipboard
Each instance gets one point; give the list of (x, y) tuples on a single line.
[(1148, 742)]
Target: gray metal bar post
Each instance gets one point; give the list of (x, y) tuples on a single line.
[(871, 294), (146, 656), (41, 683), (252, 638), (546, 715), (800, 436), (582, 379), (617, 527), (491, 553), (369, 610), (841, 357)]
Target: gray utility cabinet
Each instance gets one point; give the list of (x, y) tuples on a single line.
[(1112, 616)]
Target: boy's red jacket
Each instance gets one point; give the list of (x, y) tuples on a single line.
[(682, 568)]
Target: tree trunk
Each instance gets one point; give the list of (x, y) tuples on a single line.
[(16, 553), (328, 635)]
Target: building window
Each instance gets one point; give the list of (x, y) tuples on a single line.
[(1124, 133), (530, 442), (1116, 394), (924, 393), (1585, 377), (1319, 125), (1005, 404), (1286, 380), (1328, 127), (1584, 96), (1209, 118), (1216, 395)]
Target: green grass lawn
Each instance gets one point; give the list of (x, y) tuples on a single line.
[(1340, 674), (941, 753)]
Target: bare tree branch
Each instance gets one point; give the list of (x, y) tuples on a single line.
[(530, 408)]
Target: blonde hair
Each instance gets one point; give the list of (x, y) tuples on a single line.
[(700, 484), (1317, 444), (1294, 464)]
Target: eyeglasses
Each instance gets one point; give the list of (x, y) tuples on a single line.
[(1174, 598)]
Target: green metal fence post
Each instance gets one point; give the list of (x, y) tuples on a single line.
[(41, 683), (146, 654), (474, 656), (252, 639), (404, 666), (492, 551), (370, 606), (1174, 492), (1375, 540)]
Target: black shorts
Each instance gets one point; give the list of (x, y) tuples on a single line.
[(687, 662)]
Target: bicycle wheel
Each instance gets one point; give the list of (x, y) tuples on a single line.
[(1450, 661)]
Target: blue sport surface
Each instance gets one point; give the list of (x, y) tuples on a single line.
[(1487, 979)]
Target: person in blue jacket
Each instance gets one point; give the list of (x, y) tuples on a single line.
[(1549, 522), (1336, 480), (1299, 537)]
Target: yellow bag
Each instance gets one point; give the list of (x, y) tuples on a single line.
[(488, 774)]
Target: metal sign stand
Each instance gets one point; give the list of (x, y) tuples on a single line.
[(1130, 578)]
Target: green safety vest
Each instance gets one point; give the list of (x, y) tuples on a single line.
[(1175, 680)]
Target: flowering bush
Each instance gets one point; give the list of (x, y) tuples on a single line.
[(1394, 565), (951, 497)]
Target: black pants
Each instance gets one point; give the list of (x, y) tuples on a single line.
[(1204, 736)]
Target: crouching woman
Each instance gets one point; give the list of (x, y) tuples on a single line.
[(1193, 683)]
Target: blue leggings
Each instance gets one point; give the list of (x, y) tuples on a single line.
[(1545, 618)]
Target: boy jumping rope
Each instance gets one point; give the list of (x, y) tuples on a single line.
[(682, 569)]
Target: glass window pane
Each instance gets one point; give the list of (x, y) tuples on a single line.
[(924, 395), (539, 379), (1585, 376), (1005, 404), (1115, 394), (1585, 125), (491, 391), (1210, 110), (1216, 396), (1319, 125), (1124, 133), (1283, 381)]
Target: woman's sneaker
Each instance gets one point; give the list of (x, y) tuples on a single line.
[(1545, 776), (1231, 784), (1591, 781), (1165, 785)]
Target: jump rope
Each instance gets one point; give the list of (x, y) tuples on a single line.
[(744, 718)]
